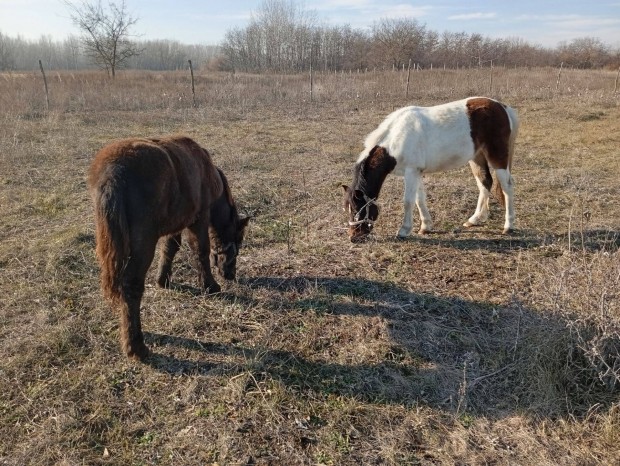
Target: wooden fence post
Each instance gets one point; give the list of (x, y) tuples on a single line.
[(557, 83), (191, 70), (47, 97), (408, 76), (311, 81), (616, 81), (311, 75)]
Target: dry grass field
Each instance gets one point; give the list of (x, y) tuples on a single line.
[(460, 347)]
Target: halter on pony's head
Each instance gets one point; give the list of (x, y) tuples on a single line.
[(363, 211), (357, 220)]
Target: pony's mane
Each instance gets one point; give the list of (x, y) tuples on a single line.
[(369, 173), (228, 193), (381, 134), (359, 180)]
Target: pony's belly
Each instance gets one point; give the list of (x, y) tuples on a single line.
[(450, 162)]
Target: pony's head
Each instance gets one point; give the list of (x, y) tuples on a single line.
[(226, 232), (362, 211), (225, 245), (360, 200)]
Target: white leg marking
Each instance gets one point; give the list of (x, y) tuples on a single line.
[(412, 180), (482, 209), (507, 184), (426, 223)]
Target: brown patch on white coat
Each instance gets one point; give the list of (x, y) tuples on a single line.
[(493, 137)]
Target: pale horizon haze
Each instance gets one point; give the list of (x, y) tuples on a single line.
[(544, 23)]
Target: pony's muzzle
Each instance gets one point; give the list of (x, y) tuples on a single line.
[(359, 233)]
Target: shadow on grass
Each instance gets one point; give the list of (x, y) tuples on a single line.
[(447, 353), (589, 240)]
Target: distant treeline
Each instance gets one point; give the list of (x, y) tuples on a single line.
[(20, 54), (283, 38)]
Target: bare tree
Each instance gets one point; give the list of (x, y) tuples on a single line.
[(585, 52), (7, 60), (396, 41), (106, 33), (70, 52)]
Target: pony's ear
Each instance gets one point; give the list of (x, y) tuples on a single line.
[(345, 187)]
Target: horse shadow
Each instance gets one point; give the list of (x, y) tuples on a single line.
[(588, 240), (453, 354)]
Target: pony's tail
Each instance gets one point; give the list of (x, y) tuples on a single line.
[(514, 131), (112, 238)]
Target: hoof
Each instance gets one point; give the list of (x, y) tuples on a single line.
[(425, 232), (163, 282), (137, 352), (213, 288), (468, 224), (508, 231), (359, 239)]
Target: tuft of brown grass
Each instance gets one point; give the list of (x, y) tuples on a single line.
[(464, 346)]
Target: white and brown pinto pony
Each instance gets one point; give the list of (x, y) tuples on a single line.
[(413, 141)]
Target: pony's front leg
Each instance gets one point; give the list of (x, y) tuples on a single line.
[(168, 251), (411, 187), (413, 179), (199, 240), (507, 184)]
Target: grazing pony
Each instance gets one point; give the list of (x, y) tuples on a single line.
[(415, 140), (144, 189)]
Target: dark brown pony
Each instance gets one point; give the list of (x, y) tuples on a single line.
[(144, 189)]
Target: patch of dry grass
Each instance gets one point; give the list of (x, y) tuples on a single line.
[(464, 346)]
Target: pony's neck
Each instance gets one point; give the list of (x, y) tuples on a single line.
[(371, 172), (223, 211)]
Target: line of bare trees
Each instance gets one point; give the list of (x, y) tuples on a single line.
[(282, 37), (106, 42), (22, 54)]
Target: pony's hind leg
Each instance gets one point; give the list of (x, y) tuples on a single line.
[(507, 184), (481, 172), (168, 251), (132, 289), (200, 243)]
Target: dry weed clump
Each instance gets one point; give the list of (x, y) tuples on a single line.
[(583, 288), (460, 347)]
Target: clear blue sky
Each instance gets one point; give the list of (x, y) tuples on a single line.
[(205, 22)]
